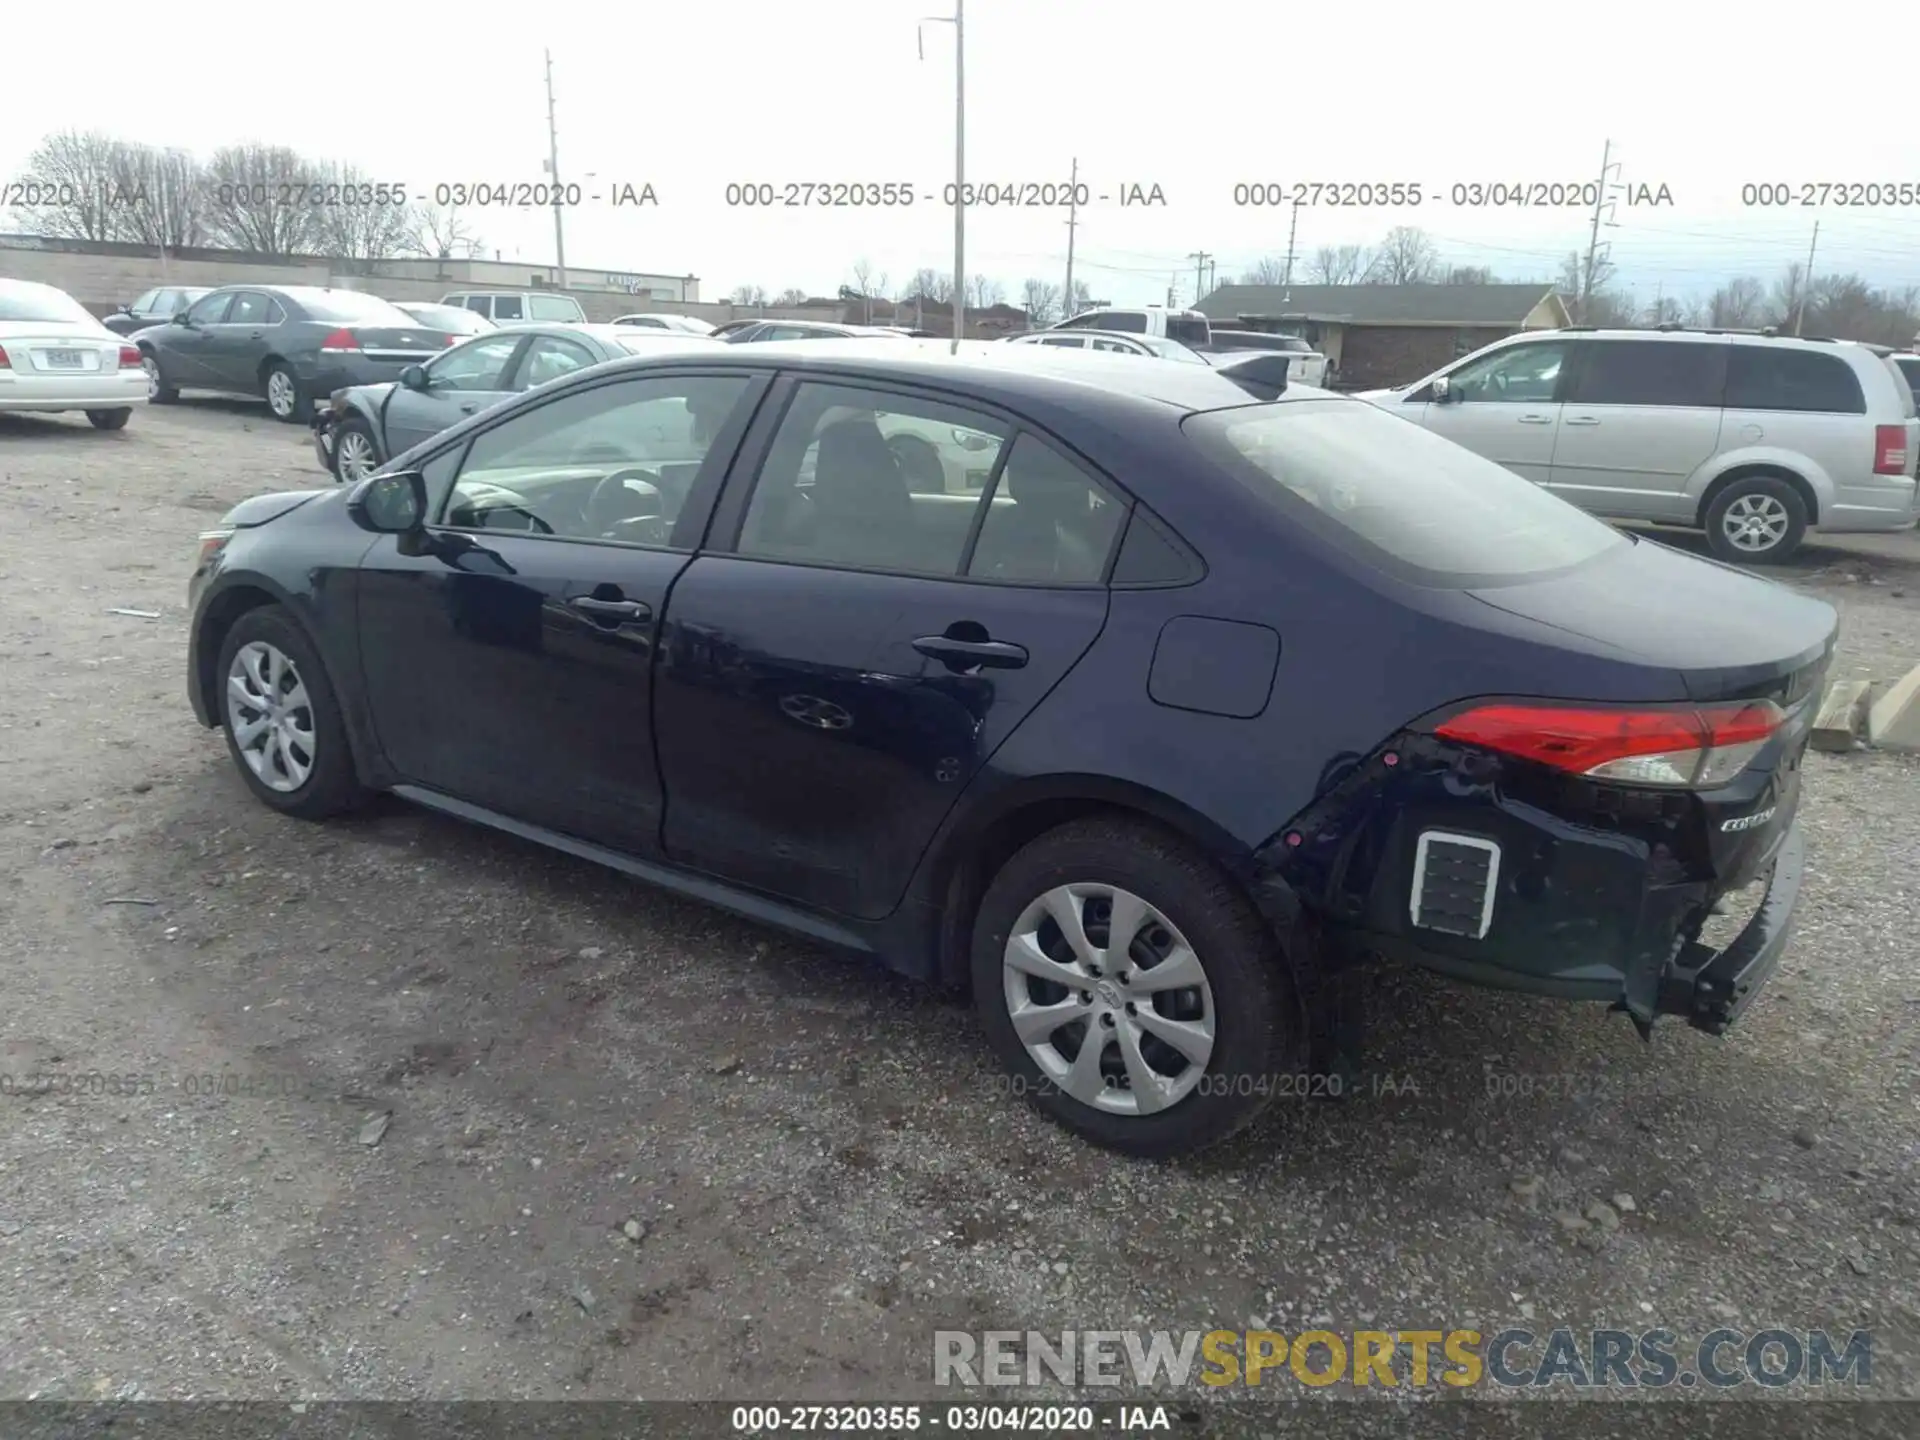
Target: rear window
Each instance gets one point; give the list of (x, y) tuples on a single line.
[(345, 306), (1127, 322), (1761, 377), (42, 302), (1189, 330), (1408, 501), (1686, 373)]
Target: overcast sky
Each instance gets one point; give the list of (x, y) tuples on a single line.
[(1192, 97)]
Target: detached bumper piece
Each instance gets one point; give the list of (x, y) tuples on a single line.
[(1713, 988)]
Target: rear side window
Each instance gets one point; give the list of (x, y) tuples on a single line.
[(1649, 372), (1762, 377), (507, 307), (553, 307), (1189, 330), (1130, 323), (1403, 498), (1049, 522)]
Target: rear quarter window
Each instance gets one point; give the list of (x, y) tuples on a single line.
[(1189, 331), (1760, 377), (1403, 499)]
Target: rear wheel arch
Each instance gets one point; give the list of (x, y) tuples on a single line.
[(268, 365), (1721, 483), (967, 859)]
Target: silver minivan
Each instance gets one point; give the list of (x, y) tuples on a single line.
[(515, 307), (1754, 438)]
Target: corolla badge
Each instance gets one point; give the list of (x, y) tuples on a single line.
[(1749, 822)]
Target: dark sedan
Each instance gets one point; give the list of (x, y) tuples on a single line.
[(289, 344), (364, 426), (157, 306), (453, 319), (1196, 702), (761, 331)]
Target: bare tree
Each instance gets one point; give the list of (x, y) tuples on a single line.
[(441, 232), (1740, 304), (863, 282), (1081, 299), (748, 295), (1601, 306), (1041, 300), (1338, 264), (791, 296), (982, 292), (1269, 270), (940, 287), (260, 198), (68, 190), (162, 195), (1666, 310), (1405, 257), (1467, 275), (359, 228)]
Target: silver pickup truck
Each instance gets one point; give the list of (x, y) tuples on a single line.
[(1305, 365)]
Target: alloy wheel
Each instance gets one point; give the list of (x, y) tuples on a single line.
[(355, 455), (1109, 999), (152, 367), (280, 393), (270, 717), (1754, 524)]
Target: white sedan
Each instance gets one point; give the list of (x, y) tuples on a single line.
[(56, 356)]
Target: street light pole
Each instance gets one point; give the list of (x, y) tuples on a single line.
[(958, 21)]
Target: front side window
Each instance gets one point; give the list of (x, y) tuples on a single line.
[(1767, 377), (147, 304), (1686, 373), (858, 478), (549, 357), (1517, 375), (478, 365), (249, 308), (1909, 366), (1114, 347), (1065, 342), (211, 308), (613, 462), (1048, 522), (1408, 501), (507, 307)]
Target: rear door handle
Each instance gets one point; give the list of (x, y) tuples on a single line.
[(1584, 420), (611, 609), (468, 409), (1536, 419), (988, 654)]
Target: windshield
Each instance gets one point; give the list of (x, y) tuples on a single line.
[(1410, 502), (27, 301), (348, 306)]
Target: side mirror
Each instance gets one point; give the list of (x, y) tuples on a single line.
[(393, 504), (1442, 391), (414, 377)]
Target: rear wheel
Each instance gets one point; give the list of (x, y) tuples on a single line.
[(282, 389), (159, 392), (1760, 520), (115, 419), (283, 721), (354, 455), (1130, 988)]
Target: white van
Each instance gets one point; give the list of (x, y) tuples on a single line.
[(505, 307), (1189, 327)]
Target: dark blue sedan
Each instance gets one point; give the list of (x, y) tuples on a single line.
[(1196, 703)]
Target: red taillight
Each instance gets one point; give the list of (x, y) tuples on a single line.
[(339, 340), (5, 363), (1889, 449), (1654, 746), (453, 339), (129, 357)]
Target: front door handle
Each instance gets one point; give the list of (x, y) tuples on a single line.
[(988, 654), (468, 409), (258, 334), (618, 610), (1536, 419), (1584, 420)]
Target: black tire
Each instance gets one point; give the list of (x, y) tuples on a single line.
[(1256, 1012), (298, 414), (332, 786), (1764, 490), (359, 426), (158, 391), (115, 419)]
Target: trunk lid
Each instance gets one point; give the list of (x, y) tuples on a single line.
[(60, 347), (402, 346)]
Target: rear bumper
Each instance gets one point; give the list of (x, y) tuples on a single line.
[(1713, 988), (325, 374), (98, 391)]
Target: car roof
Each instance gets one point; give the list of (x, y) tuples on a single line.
[(1701, 337)]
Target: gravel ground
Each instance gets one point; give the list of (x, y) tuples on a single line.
[(816, 1159)]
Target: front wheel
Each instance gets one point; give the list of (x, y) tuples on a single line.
[(354, 455), (283, 722), (115, 419), (282, 389), (1131, 990), (1760, 520)]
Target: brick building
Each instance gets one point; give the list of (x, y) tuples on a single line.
[(1378, 335)]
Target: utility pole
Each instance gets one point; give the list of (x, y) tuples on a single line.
[(1593, 239), (1073, 221), (1806, 281), (1200, 259), (958, 21), (1293, 230), (553, 173)]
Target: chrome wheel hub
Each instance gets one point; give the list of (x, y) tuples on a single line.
[(1109, 999), (152, 367), (356, 455), (1755, 522), (270, 717), (280, 393)]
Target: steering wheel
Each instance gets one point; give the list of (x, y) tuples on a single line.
[(487, 500), (602, 514)]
